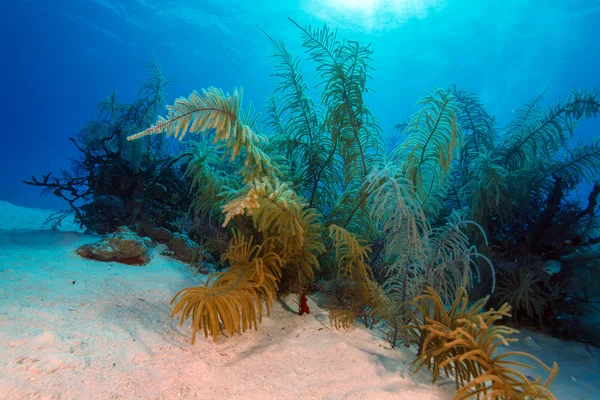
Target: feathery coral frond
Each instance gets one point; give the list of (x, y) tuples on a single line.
[(343, 70), (210, 183), (341, 319), (579, 164), (278, 212), (463, 343), (433, 138), (417, 254), (477, 125), (535, 131), (235, 298), (222, 112)]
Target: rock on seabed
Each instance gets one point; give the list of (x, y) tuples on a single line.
[(123, 246)]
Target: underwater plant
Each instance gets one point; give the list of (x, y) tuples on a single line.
[(418, 255), (115, 182)]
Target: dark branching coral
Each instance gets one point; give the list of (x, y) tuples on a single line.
[(114, 182)]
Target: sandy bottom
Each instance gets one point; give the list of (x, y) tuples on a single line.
[(78, 329)]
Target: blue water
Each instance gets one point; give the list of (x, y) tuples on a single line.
[(61, 57)]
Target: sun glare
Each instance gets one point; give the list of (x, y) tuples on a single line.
[(370, 14), (355, 5)]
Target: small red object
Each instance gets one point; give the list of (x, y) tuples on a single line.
[(303, 305)]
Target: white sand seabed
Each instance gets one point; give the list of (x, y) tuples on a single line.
[(72, 328)]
